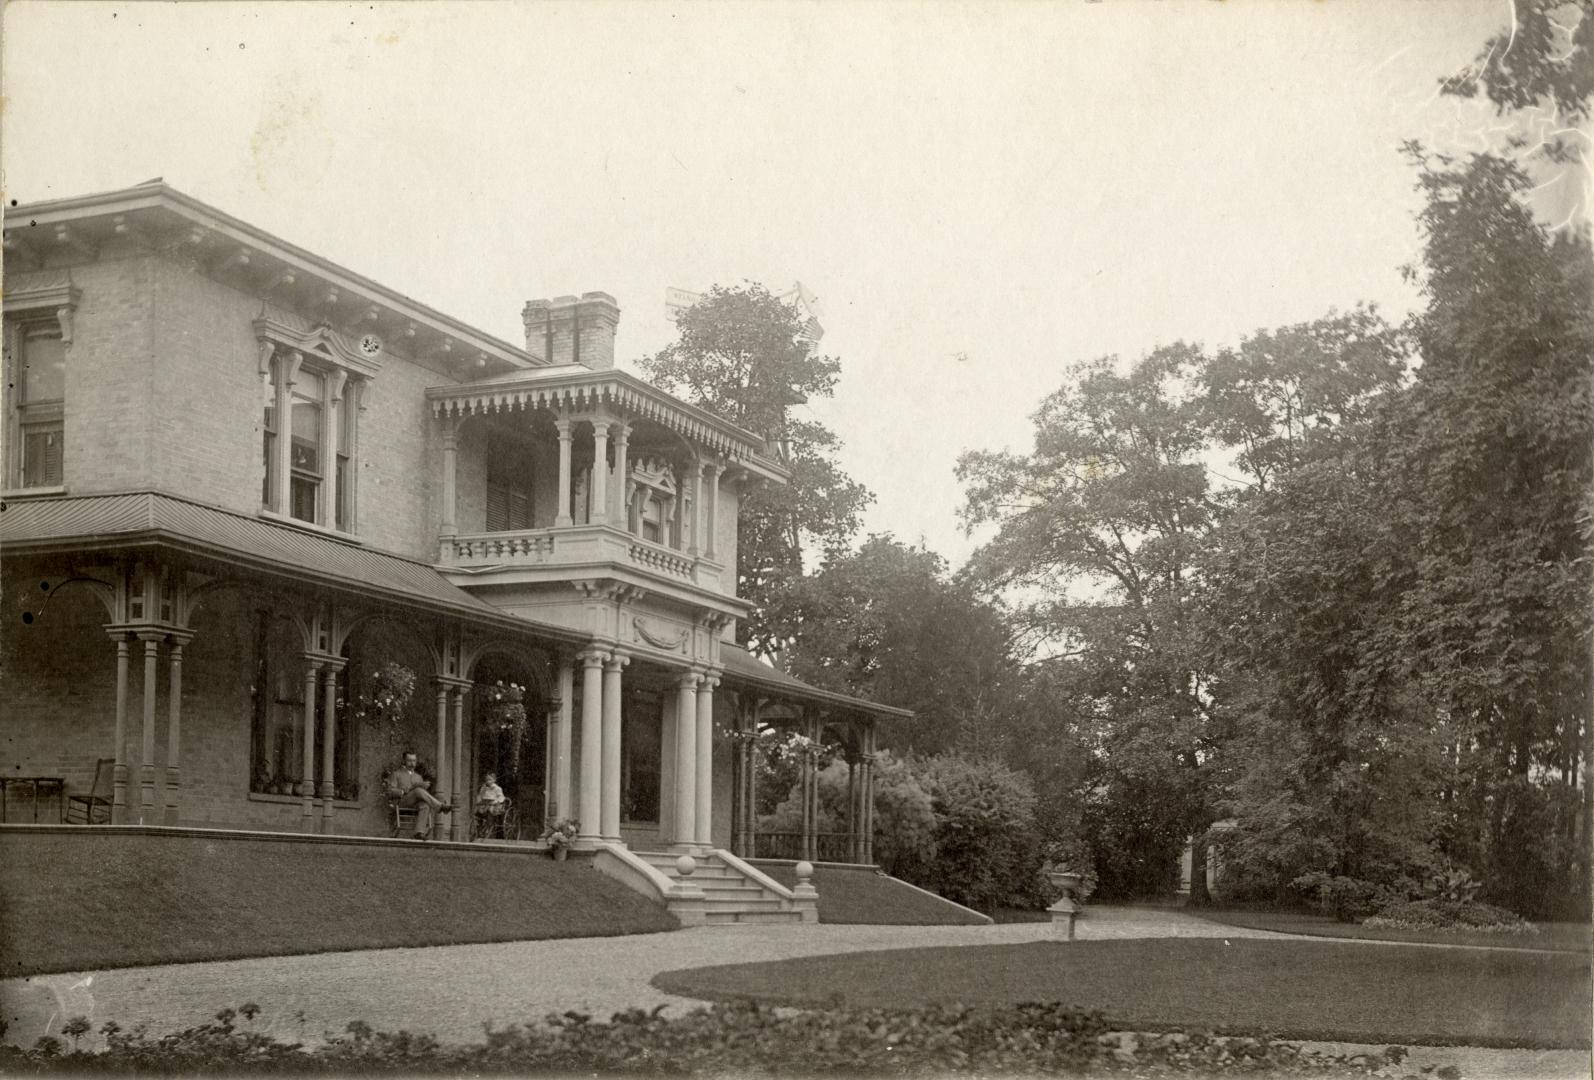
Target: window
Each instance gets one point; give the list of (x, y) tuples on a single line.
[(508, 485), (38, 340), (276, 759), (653, 519), (314, 381)]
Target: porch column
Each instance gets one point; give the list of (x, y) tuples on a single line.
[(146, 777), (750, 818), (810, 788), (562, 519), (620, 508), (590, 830), (599, 513), (686, 758), (562, 740), (440, 786), (450, 476), (611, 745), (695, 534), (329, 740), (119, 770), (854, 818), (703, 836), (711, 472), (174, 727), (460, 780), (868, 791), (312, 677)]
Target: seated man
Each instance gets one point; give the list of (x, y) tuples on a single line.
[(407, 787)]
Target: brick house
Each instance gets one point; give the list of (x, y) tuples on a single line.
[(243, 483)]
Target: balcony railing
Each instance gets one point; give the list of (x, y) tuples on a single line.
[(583, 544)]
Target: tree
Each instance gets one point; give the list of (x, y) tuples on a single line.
[(888, 624), (1097, 534), (741, 355)]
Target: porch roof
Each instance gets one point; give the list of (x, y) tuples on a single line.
[(742, 666), (133, 519)]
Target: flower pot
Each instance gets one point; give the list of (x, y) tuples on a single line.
[(560, 853)]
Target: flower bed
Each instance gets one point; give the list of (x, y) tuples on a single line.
[(1438, 913)]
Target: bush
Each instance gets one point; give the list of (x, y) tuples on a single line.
[(989, 851), (1345, 898), (742, 1038), (1440, 913)]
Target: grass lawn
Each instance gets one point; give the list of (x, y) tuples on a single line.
[(1567, 937), (859, 895), (83, 901), (1294, 989)]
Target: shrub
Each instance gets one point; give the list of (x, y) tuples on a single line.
[(1441, 913), (988, 849), (1347, 899), (742, 1038)]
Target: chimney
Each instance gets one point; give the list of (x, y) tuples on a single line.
[(572, 330)]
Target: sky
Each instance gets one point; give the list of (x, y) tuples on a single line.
[(979, 194)]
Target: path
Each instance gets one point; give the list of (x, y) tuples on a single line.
[(450, 991)]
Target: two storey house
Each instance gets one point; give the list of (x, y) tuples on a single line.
[(250, 496)]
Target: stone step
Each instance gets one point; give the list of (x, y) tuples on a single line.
[(762, 903), (724, 918)]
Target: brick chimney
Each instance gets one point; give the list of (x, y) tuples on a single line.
[(573, 330)]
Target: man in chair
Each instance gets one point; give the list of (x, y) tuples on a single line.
[(407, 787)]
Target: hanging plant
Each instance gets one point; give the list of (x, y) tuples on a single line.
[(385, 702), (506, 714)]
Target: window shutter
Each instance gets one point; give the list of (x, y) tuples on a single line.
[(498, 508)]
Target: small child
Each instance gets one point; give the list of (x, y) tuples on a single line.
[(490, 799)]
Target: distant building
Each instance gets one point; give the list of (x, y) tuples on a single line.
[(240, 480)]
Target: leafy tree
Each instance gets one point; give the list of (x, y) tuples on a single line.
[(1545, 58), (741, 355), (887, 623)]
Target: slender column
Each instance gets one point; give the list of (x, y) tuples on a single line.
[(146, 778), (174, 730), (440, 788), (562, 519), (711, 472), (868, 794), (599, 513), (619, 507), (450, 476), (854, 786), (562, 740), (695, 514), (288, 374), (312, 675), (704, 836), (119, 771), (686, 758), (590, 829), (329, 740), (611, 745), (460, 780)]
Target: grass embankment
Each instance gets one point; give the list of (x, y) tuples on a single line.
[(74, 901), (1292, 989), (1561, 937), (858, 894)]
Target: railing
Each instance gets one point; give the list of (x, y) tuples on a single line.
[(533, 546), (659, 558), (829, 846)]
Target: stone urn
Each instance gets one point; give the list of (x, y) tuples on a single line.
[(1067, 881)]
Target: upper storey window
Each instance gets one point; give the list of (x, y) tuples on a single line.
[(38, 333), (312, 379)]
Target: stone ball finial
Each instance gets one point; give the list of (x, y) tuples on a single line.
[(805, 870), (685, 866)]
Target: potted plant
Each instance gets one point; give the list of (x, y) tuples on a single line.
[(506, 712), (559, 836)]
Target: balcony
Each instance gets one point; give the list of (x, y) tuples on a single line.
[(578, 550)]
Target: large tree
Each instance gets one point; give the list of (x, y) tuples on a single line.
[(742, 354)]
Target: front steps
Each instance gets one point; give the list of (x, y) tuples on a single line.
[(734, 892)]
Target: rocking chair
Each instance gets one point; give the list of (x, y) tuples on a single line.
[(95, 807)]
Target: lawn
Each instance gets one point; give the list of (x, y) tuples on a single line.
[(1565, 937), (857, 894), (1293, 989), (74, 901)]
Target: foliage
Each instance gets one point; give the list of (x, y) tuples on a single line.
[(741, 355), (385, 702), (1545, 58), (506, 714), (1452, 884), (988, 853), (1443, 913), (561, 833), (1346, 899), (738, 1038), (904, 818), (888, 624)]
